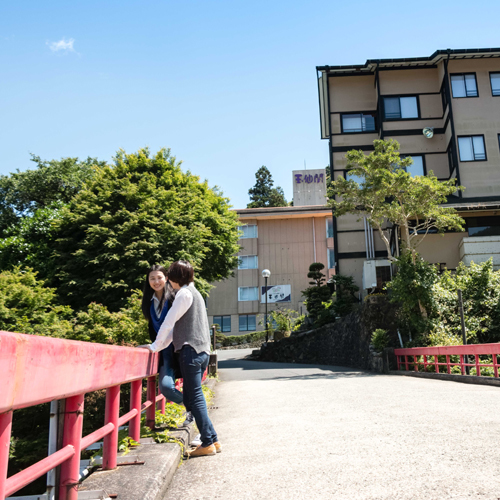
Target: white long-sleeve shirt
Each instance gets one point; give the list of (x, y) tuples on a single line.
[(183, 301)]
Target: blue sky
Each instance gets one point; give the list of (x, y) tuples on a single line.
[(228, 86)]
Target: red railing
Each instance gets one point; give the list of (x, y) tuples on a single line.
[(420, 358), (36, 370)]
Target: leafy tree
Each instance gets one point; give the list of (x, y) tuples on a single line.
[(22, 193), (263, 194), (318, 296), (388, 193), (420, 284), (27, 306), (344, 295), (140, 211)]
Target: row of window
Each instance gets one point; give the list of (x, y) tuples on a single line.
[(247, 323), (465, 84), (407, 107), (250, 231)]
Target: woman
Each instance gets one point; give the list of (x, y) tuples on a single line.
[(186, 327), (156, 301)]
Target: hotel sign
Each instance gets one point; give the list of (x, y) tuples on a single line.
[(278, 293)]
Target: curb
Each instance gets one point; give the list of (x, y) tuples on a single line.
[(464, 379), (150, 478)]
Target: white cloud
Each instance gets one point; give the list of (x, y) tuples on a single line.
[(62, 45)]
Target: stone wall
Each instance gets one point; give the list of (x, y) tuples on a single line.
[(344, 343)]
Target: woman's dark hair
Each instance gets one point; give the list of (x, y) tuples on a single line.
[(181, 272), (147, 291)]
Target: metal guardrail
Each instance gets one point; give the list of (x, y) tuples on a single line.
[(36, 370), (413, 358)]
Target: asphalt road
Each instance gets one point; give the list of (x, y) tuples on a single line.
[(292, 431)]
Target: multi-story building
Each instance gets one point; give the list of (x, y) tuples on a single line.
[(284, 240), (444, 110)]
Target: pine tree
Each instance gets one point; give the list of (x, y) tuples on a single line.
[(263, 194)]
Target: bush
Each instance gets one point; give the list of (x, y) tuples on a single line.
[(229, 340), (380, 339), (27, 306)]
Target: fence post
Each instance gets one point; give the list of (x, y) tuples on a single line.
[(5, 431), (110, 441), (134, 427), (462, 322), (151, 396), (214, 337), (70, 470)]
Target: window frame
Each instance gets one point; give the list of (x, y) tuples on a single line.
[(424, 166), (400, 96), (327, 220), (247, 300), (249, 237), (465, 96), (328, 251), (221, 323), (361, 113), (471, 136), (491, 83), (243, 268), (246, 317)]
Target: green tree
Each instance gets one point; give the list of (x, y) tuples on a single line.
[(22, 193), (263, 194), (27, 306), (29, 204), (140, 211), (344, 296), (318, 296), (388, 193)]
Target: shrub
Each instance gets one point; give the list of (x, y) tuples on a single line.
[(380, 339)]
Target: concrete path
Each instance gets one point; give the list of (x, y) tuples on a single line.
[(292, 431)]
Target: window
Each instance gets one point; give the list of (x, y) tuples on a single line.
[(248, 323), (483, 226), (418, 166), (464, 85), (246, 293), (359, 122), (472, 148), (248, 262), (495, 83), (331, 258), (224, 323), (329, 227), (398, 108), (249, 231)]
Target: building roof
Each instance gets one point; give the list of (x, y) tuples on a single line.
[(284, 212), (412, 62)]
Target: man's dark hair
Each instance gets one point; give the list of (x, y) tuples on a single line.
[(181, 272)]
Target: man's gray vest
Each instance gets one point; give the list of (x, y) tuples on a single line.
[(193, 327)]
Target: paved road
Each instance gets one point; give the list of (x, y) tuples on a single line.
[(293, 431)]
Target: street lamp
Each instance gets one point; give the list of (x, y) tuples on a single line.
[(265, 274)]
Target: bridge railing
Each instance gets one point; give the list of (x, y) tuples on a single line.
[(36, 370), (420, 357)]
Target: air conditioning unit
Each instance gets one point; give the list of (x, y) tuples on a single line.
[(370, 272)]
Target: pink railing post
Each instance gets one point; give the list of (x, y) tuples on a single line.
[(495, 365), (448, 366), (70, 470), (161, 402), (134, 428), (5, 431), (110, 442), (406, 363), (436, 363), (151, 396)]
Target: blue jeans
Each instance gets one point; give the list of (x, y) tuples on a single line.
[(167, 376), (192, 367)]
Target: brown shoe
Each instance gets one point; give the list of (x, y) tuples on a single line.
[(202, 451), (218, 447)]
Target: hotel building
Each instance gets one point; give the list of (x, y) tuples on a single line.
[(444, 110)]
